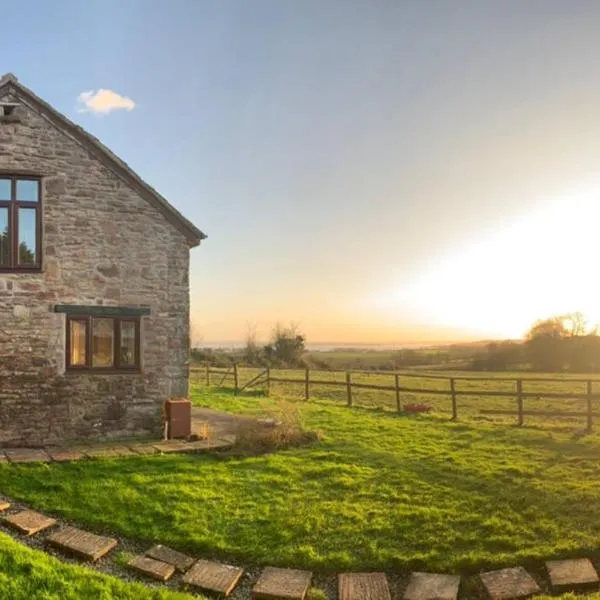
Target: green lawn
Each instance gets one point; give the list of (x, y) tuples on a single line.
[(380, 491), (27, 574)]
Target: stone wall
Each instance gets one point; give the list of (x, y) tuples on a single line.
[(102, 245)]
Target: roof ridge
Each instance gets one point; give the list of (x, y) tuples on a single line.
[(8, 78), (104, 153)]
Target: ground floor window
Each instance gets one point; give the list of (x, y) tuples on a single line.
[(103, 343)]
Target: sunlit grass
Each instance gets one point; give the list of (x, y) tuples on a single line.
[(380, 491)]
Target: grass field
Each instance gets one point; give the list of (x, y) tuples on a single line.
[(27, 574), (381, 491), (469, 407)]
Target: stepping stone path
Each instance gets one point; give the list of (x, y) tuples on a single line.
[(213, 577), (29, 522), (153, 568), (182, 562), (511, 583), (87, 545), (571, 574), (430, 586), (363, 586), (277, 584)]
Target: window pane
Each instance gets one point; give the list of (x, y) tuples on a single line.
[(4, 242), (27, 190), (5, 189), (127, 349), (103, 331), (27, 238), (77, 350)]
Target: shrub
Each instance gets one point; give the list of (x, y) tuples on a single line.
[(281, 428)]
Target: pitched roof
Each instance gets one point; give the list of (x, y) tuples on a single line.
[(110, 160)]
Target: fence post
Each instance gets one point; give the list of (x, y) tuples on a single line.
[(349, 387), (207, 375), (268, 390), (306, 383), (397, 383), (589, 406), (235, 379), (454, 406), (520, 401)]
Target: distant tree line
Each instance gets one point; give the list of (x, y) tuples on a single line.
[(563, 343), (286, 348)]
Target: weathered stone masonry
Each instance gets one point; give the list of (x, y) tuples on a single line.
[(102, 244)]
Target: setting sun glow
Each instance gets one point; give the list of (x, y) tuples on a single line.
[(499, 283)]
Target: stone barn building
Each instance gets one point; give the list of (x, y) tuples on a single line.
[(94, 287)]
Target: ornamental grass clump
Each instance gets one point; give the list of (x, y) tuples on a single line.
[(280, 428)]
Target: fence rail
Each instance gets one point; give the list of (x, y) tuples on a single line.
[(265, 378)]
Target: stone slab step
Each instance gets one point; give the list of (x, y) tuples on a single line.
[(172, 446), (282, 584), (153, 568), (432, 586), (26, 455), (509, 584), (573, 574), (124, 451), (64, 454), (182, 562), (88, 546), (213, 577), (29, 522), (143, 449), (363, 586), (101, 452)]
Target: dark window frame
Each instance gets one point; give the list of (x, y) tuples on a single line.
[(13, 205), (116, 367)]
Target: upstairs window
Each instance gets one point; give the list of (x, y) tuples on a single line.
[(20, 223), (103, 343)]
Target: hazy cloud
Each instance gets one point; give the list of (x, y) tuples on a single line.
[(103, 102)]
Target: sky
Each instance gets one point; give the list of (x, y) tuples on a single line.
[(375, 171)]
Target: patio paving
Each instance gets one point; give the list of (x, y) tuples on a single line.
[(115, 450)]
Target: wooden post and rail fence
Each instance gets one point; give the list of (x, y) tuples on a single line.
[(265, 378)]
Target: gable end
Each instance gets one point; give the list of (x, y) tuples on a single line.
[(10, 85)]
